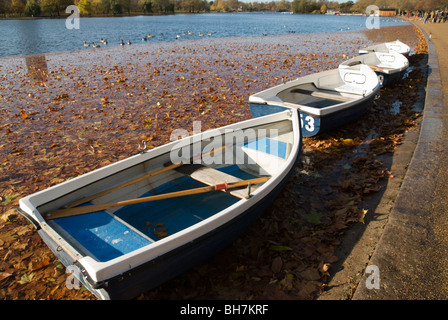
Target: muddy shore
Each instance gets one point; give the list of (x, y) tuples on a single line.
[(67, 114)]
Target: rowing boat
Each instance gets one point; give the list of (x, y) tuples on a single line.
[(325, 100), (390, 67), (130, 226), (396, 46)]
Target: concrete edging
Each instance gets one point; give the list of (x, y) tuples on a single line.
[(399, 252)]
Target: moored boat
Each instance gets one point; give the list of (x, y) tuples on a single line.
[(396, 46), (130, 226), (390, 67), (325, 100)]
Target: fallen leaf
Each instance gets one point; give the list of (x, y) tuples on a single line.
[(279, 248), (36, 265), (276, 265), (26, 278), (313, 217), (9, 215), (363, 215)]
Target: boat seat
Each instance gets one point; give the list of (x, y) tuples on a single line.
[(211, 177), (324, 94), (350, 89), (265, 157)]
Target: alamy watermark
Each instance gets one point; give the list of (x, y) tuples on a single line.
[(227, 146), (72, 281), (373, 280), (373, 19), (72, 21)]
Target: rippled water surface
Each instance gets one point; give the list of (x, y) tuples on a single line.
[(24, 37)]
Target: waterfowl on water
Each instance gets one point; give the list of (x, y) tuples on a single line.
[(122, 43), (95, 45), (129, 42), (86, 44)]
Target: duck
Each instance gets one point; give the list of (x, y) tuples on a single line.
[(86, 44), (95, 45), (209, 33), (144, 38), (201, 34), (150, 36), (129, 42), (122, 43), (105, 41)]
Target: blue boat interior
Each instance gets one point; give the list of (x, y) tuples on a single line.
[(106, 235)]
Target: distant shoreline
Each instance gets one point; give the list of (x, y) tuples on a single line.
[(136, 14), (65, 15)]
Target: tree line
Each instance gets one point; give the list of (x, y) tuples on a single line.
[(56, 8), (53, 8)]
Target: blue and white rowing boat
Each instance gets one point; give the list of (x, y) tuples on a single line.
[(396, 46), (130, 226), (325, 100), (390, 67)]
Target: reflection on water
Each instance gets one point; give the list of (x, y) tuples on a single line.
[(396, 107), (37, 66), (29, 34), (23, 37)]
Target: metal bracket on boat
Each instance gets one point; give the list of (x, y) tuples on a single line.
[(140, 149), (249, 187)]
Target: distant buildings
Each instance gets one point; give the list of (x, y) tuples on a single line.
[(381, 12), (387, 12)]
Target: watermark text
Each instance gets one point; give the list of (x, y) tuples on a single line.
[(72, 21)]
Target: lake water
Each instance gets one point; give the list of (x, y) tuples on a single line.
[(24, 37)]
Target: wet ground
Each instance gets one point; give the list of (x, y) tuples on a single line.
[(66, 114)]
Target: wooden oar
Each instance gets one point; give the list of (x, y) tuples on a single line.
[(131, 182), (99, 207), (379, 68)]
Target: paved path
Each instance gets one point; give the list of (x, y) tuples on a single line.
[(411, 259), (439, 38)]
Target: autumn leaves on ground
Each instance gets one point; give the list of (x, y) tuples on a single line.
[(66, 114)]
